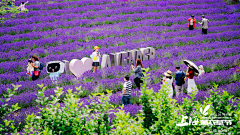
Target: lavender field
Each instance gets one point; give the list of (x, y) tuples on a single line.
[(66, 30)]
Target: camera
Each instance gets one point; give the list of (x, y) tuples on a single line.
[(58, 67), (131, 62)]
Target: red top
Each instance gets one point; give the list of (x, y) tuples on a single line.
[(190, 74), (194, 20)]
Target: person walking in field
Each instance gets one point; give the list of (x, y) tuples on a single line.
[(204, 24)]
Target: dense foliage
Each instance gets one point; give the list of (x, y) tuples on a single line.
[(60, 29), (160, 114)]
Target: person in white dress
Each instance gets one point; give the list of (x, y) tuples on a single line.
[(96, 58), (191, 83), (201, 70), (168, 80), (22, 6)]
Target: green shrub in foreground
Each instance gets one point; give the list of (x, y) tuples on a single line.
[(159, 115)]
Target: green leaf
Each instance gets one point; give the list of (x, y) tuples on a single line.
[(40, 85)]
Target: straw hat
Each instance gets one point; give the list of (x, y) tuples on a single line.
[(96, 47), (201, 66), (168, 73)]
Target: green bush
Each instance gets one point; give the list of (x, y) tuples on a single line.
[(159, 115), (8, 125)]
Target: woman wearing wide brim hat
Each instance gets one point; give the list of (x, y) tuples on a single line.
[(168, 80), (96, 58)]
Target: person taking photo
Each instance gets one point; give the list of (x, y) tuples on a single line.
[(138, 72)]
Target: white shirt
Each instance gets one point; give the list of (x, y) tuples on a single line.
[(128, 86), (169, 82), (191, 22), (94, 57), (22, 7), (30, 67)]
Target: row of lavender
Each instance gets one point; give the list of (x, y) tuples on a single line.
[(89, 31), (18, 78), (179, 41), (45, 52), (106, 12), (164, 62), (21, 74), (86, 5), (172, 49), (109, 30), (171, 17)]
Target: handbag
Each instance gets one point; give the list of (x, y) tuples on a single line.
[(36, 73), (173, 86)]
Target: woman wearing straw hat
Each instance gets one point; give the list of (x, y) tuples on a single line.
[(201, 70), (168, 79), (191, 83), (96, 58)]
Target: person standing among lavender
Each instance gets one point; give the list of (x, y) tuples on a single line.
[(96, 59), (22, 6), (191, 24), (138, 73), (168, 80), (204, 24), (36, 65), (191, 83), (179, 77), (127, 87)]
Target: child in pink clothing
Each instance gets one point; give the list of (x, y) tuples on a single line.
[(30, 68)]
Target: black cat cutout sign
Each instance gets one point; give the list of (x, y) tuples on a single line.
[(58, 67)]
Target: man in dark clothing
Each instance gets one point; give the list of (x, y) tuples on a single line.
[(179, 81)]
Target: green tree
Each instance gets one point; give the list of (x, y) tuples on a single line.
[(4, 8)]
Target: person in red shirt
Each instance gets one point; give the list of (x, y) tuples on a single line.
[(191, 24), (191, 83)]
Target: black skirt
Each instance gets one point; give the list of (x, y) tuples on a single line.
[(191, 27), (95, 64)]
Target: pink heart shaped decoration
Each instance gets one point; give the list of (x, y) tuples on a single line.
[(78, 67)]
